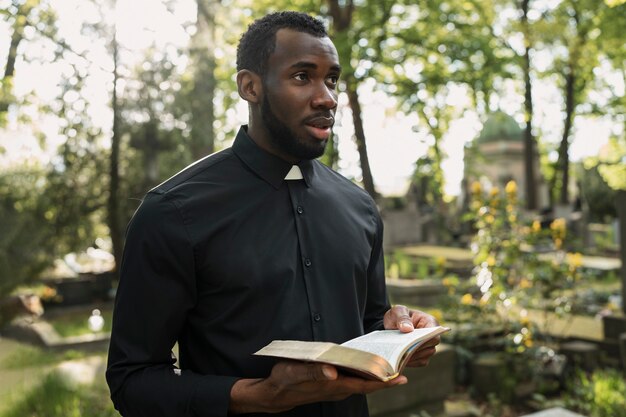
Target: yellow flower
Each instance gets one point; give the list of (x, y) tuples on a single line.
[(467, 299), (528, 342), (440, 261), (476, 188), (558, 225), (525, 283), (491, 260), (558, 243), (575, 260), (536, 226), (489, 219), (511, 187), (494, 192)]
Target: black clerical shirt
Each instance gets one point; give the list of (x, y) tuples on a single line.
[(227, 256)]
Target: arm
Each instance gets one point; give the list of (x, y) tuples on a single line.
[(377, 301), (157, 290)]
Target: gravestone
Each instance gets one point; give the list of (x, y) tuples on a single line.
[(554, 412), (582, 354), (427, 389)]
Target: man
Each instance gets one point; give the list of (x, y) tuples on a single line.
[(255, 243)]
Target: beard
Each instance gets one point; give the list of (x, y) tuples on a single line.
[(285, 139)]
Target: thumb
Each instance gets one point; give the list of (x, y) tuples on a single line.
[(322, 372)]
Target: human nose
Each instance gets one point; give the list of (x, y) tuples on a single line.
[(324, 97)]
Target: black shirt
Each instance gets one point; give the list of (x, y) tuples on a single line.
[(227, 256)]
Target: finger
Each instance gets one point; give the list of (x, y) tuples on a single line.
[(431, 343), (322, 373), (418, 363), (398, 317), (424, 353), (421, 319), (298, 372), (358, 385)]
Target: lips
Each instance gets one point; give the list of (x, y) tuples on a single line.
[(320, 126)]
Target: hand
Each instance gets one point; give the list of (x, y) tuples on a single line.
[(400, 317), (295, 383)]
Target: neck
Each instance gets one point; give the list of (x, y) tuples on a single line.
[(259, 133)]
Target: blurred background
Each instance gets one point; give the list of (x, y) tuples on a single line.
[(491, 134)]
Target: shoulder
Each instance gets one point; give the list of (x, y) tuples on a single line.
[(166, 199), (343, 189), (203, 168)]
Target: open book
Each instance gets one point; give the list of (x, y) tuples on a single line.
[(378, 355)]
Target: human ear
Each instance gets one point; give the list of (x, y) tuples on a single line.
[(249, 86)]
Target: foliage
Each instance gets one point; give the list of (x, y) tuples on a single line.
[(42, 219), (509, 275), (611, 164), (596, 193), (601, 394), (54, 397)]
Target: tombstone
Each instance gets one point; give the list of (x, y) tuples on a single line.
[(554, 412), (582, 354)]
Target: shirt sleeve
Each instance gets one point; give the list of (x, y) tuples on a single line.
[(377, 300), (157, 289)]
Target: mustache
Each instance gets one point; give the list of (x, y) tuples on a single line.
[(327, 117)]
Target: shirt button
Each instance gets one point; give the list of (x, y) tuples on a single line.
[(307, 262), (300, 210), (317, 317)]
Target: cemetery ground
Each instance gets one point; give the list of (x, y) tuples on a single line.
[(470, 375)]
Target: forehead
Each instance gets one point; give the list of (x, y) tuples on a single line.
[(293, 47)]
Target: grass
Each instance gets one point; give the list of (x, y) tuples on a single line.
[(75, 323), (54, 397), (31, 356)]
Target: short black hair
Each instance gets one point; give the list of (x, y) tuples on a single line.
[(259, 41)]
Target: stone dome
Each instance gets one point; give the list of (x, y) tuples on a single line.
[(499, 126)]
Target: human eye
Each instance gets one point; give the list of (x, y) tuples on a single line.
[(333, 80), (301, 76)]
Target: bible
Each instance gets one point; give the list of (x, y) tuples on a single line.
[(380, 355)]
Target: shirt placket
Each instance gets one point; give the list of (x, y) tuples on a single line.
[(297, 191)]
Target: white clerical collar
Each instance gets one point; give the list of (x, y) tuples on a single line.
[(294, 173)]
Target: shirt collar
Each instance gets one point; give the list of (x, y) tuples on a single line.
[(269, 167)]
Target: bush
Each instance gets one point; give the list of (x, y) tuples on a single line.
[(601, 394)]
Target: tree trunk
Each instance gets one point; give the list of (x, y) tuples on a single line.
[(341, 20), (620, 203), (529, 140), (359, 136), (115, 228), (563, 164), (16, 37), (204, 81)]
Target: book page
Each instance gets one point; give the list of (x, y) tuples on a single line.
[(391, 344)]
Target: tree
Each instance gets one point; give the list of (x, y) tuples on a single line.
[(440, 49), (203, 67), (575, 29), (23, 15), (530, 147), (347, 31)]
